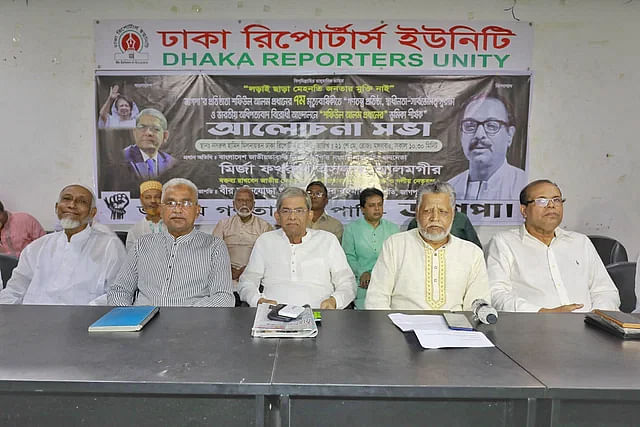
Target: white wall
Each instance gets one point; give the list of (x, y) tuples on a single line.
[(585, 107)]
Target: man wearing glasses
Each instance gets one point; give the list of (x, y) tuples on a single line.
[(320, 220), (177, 267), (295, 264), (541, 267), (145, 159), (74, 266), (486, 132)]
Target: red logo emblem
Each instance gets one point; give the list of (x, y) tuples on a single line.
[(130, 41)]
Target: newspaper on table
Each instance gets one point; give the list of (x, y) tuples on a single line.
[(302, 327), (432, 331)]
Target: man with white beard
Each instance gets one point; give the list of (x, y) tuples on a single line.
[(241, 231), (74, 266), (427, 268)]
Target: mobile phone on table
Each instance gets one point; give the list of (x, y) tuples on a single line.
[(457, 321), (292, 311), (284, 312)]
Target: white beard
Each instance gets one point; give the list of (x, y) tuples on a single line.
[(69, 224), (435, 237), (243, 213)]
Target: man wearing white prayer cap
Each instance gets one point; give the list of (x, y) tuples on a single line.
[(74, 266)]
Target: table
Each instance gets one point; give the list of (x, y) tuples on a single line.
[(188, 366), (362, 370), (591, 376), (199, 366)]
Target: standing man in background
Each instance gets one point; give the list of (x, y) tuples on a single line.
[(363, 239), (150, 197), (240, 231), (320, 220)]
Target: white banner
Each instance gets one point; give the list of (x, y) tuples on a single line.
[(291, 47)]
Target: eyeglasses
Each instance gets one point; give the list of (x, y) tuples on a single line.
[(154, 129), (172, 204), (316, 194), (79, 201), (296, 211), (491, 127), (543, 202)]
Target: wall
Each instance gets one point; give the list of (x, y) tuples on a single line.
[(584, 109)]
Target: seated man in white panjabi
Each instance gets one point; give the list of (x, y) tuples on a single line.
[(428, 268), (296, 264), (74, 266)]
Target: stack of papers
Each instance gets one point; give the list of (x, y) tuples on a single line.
[(432, 331), (302, 327)]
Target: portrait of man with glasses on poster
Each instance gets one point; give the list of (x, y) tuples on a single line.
[(487, 128), (144, 158)]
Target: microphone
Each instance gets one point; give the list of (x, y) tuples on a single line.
[(483, 312)]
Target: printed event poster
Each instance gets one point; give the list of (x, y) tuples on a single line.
[(393, 132), (392, 104)]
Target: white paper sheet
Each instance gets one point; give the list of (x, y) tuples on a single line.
[(411, 322), (432, 331), (440, 339)]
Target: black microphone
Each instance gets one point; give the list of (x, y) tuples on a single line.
[(483, 312)]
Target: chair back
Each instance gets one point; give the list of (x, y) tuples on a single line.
[(610, 250), (7, 264), (623, 275)]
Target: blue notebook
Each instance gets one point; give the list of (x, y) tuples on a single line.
[(124, 319)]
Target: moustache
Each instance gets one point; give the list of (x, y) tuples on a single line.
[(434, 225), (480, 144)]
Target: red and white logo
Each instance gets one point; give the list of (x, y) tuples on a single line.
[(131, 41)]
